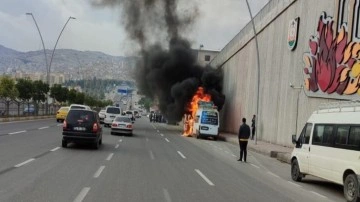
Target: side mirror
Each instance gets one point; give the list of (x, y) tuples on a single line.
[(293, 138)]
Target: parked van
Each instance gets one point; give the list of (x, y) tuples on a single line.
[(329, 147), (206, 121)]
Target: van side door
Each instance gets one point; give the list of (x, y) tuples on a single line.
[(303, 148)]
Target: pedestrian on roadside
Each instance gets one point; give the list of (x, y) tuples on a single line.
[(253, 127), (244, 134)]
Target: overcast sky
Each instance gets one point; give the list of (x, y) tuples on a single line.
[(99, 29)]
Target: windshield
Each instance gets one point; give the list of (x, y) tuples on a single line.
[(123, 119)]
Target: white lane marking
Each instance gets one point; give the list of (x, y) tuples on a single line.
[(120, 140), (270, 173), (167, 140), (221, 149), (59, 124), (56, 148), (158, 131), (82, 194), (167, 195), (227, 152), (233, 155), (117, 146), (255, 165), (43, 127), (152, 155), (318, 194), (98, 172), (162, 135), (204, 177), (294, 184), (23, 131), (110, 156), (182, 155), (147, 139), (23, 163)]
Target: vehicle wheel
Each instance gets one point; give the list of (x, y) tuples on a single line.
[(295, 171), (64, 143), (97, 144), (216, 138), (100, 141), (351, 187), (57, 120)]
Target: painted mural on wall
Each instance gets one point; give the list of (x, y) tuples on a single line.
[(332, 67)]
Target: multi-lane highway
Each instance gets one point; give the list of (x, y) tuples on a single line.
[(156, 164)]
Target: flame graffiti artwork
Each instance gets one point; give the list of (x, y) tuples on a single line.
[(192, 107), (333, 63)]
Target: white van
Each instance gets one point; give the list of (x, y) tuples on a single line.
[(206, 121), (110, 113), (329, 147)]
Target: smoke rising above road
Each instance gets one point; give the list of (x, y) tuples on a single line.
[(168, 74)]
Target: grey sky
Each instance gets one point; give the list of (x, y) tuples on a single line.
[(98, 29)]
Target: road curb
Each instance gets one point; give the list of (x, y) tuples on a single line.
[(9, 119)]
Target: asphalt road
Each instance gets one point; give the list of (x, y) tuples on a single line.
[(156, 164)]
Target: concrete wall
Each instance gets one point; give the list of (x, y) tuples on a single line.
[(279, 66)]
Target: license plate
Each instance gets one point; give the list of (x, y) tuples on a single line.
[(121, 126), (112, 116), (79, 128)]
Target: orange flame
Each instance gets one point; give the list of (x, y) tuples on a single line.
[(192, 107)]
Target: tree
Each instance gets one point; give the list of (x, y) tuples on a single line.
[(71, 98), (59, 93), (146, 103), (8, 90), (40, 91), (80, 98), (25, 87)]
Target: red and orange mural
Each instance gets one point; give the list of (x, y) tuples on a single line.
[(333, 64)]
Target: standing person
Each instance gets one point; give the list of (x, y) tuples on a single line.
[(253, 127), (244, 134)]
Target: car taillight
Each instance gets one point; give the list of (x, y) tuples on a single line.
[(114, 124), (95, 128), (129, 126), (64, 125)]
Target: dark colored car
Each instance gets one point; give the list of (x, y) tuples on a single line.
[(82, 126)]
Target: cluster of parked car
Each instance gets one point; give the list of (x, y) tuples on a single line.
[(81, 124)]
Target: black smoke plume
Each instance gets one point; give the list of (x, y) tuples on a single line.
[(169, 75)]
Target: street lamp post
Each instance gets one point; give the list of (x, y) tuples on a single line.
[(258, 73), (48, 67), (42, 41), (53, 52), (297, 103)]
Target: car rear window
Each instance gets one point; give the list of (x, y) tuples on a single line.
[(113, 110), (123, 119), (209, 117), (77, 115), (77, 107)]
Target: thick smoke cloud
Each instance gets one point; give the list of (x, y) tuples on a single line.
[(169, 75)]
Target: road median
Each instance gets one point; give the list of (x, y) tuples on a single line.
[(24, 118)]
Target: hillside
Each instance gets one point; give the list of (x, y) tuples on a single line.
[(74, 64)]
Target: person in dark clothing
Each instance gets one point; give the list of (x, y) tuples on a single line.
[(244, 134), (253, 127)]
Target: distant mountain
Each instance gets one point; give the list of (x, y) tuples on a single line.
[(74, 64)]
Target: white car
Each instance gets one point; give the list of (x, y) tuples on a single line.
[(102, 115), (110, 113), (122, 125)]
